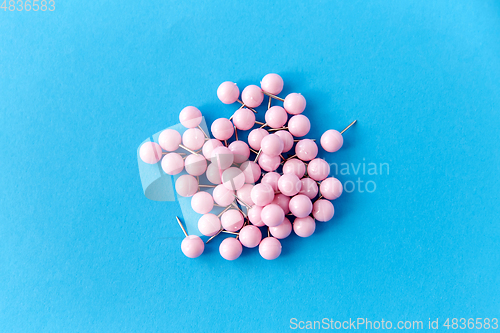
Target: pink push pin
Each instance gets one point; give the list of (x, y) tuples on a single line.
[(331, 188), (192, 246), (252, 96), (172, 164), (240, 150), (195, 165), (244, 119), (186, 186), (244, 195), (193, 138), (283, 230), (294, 103), (190, 117), (223, 196), (283, 201), (272, 83), (272, 145), (270, 248), (300, 205), (287, 139), (222, 129), (323, 210), (169, 140), (213, 174), (276, 117), (150, 152), (304, 226), (209, 224), (271, 178), (250, 236), (269, 163), (309, 188), (233, 178), (332, 140), (318, 169), (306, 149), (255, 137), (289, 184), (299, 125), (272, 215), (209, 146), (230, 248), (254, 215), (262, 194), (252, 171), (202, 203), (232, 220), (222, 157), (295, 166), (228, 92)]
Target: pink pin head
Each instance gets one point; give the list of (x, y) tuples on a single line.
[(240, 150), (223, 196), (304, 226), (244, 194), (213, 174), (250, 236), (169, 140), (262, 194), (271, 178), (331, 141), (269, 163), (172, 164), (306, 149), (272, 83), (230, 248), (228, 92), (244, 119), (252, 96), (254, 216), (190, 117), (186, 186), (289, 184), (193, 138), (255, 137), (150, 152), (283, 201), (222, 129), (202, 202), (272, 215), (196, 165), (287, 139), (192, 246), (270, 248), (209, 146), (222, 157), (331, 188), (209, 224), (232, 220), (276, 117), (233, 178), (300, 205), (252, 171), (323, 210), (309, 188), (272, 145), (318, 169), (283, 230), (294, 103), (295, 166), (299, 125)]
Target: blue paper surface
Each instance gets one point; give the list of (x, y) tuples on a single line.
[(83, 250)]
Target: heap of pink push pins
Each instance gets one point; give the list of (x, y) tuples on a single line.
[(252, 193)]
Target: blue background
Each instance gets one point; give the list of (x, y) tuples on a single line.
[(82, 249)]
